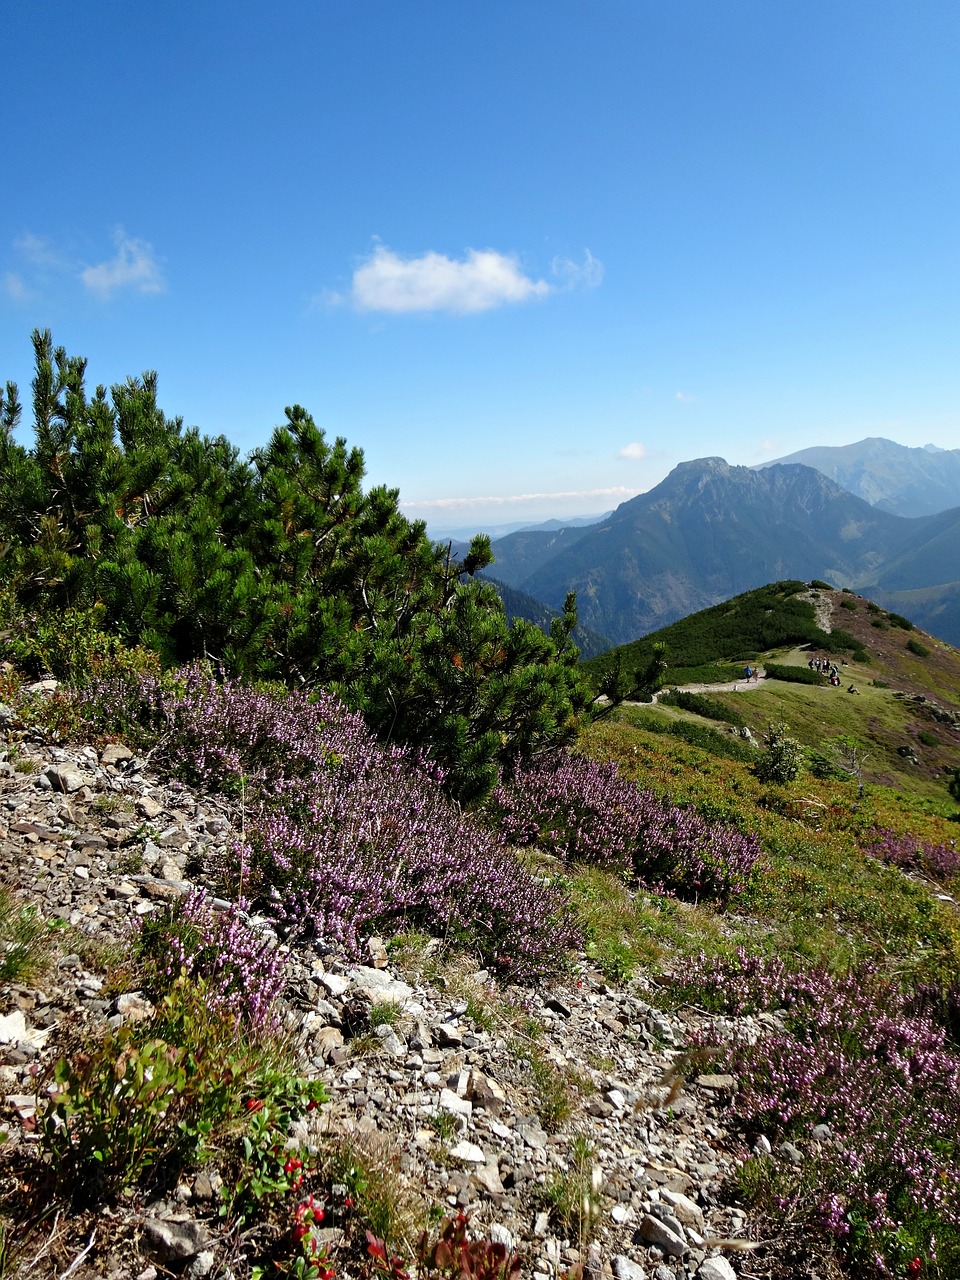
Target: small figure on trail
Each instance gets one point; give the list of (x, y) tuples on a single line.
[(747, 672), (853, 689)]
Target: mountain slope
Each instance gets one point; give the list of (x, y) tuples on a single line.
[(710, 531), (893, 477)]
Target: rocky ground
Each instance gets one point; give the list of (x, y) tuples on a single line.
[(437, 1086)]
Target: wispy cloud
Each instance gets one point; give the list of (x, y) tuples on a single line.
[(460, 504), (39, 251), (685, 397), (15, 288), (634, 450), (587, 274), (133, 266), (481, 280)]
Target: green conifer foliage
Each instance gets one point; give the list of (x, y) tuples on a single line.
[(281, 567)]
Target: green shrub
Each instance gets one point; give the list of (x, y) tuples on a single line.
[(928, 739), (698, 735), (824, 586), (879, 624), (782, 757), (794, 675), (916, 647), (843, 642), (148, 1100), (824, 767), (849, 604), (898, 620), (24, 946), (700, 705), (70, 644)]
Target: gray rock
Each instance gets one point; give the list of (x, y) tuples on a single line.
[(652, 1231), (64, 780), (148, 808), (793, 1155), (532, 1133), (625, 1268), (717, 1083), (176, 1238), (390, 1041), (487, 1178), (452, 1102), (499, 1234), (716, 1269), (201, 1265), (684, 1209)]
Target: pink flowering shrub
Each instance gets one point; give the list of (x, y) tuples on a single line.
[(242, 972), (938, 861), (344, 836), (856, 1054), (580, 810)]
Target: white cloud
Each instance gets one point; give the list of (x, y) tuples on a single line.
[(587, 274), (38, 250), (634, 450), (684, 397), (132, 267), (14, 287), (479, 281), (769, 446), (483, 279), (453, 504)]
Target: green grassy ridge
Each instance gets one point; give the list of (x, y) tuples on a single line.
[(883, 665), (734, 632)]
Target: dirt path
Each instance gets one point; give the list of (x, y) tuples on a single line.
[(743, 685)]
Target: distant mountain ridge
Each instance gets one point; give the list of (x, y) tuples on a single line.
[(710, 531), (904, 481)]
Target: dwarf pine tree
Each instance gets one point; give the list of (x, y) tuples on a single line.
[(279, 566)]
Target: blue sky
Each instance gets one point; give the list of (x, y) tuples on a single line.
[(512, 249)]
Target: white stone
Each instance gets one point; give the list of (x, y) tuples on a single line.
[(468, 1152), (685, 1209), (625, 1268), (653, 1231), (449, 1101), (716, 1269)]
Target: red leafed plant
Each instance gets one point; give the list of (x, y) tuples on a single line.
[(452, 1256)]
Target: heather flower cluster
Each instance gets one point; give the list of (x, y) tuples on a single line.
[(854, 1053), (938, 861), (345, 837), (581, 810), (240, 967)]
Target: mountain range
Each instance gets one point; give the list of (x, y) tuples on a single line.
[(904, 481), (710, 531)]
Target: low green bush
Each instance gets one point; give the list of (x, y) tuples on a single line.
[(916, 647), (794, 675), (149, 1100), (898, 620), (700, 705), (698, 735)]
